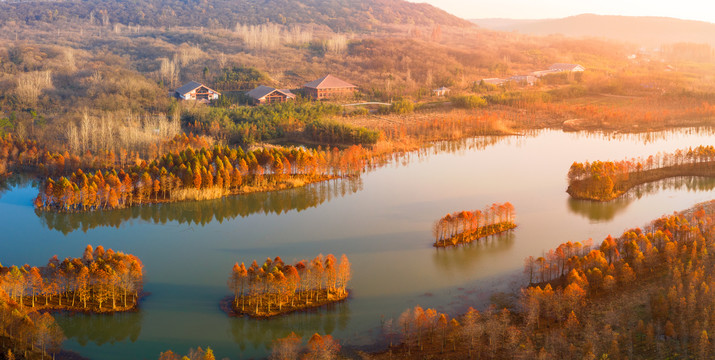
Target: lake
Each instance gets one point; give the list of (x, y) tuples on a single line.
[(381, 221)]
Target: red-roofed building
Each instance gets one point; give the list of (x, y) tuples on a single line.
[(329, 87)]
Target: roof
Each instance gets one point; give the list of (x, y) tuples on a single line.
[(191, 86), (494, 81), (564, 67), (263, 91), (329, 82), (540, 73)]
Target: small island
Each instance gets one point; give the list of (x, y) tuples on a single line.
[(206, 173), (98, 282), (466, 226), (275, 288), (607, 180)]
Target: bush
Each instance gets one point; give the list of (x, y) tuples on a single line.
[(469, 101), (359, 111), (402, 107)]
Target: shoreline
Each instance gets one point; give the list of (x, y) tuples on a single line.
[(469, 237), (286, 185), (703, 169), (91, 308), (226, 305)]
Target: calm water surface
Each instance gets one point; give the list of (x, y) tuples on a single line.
[(381, 221)]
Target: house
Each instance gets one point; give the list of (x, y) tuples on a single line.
[(328, 87), (493, 81), (567, 67), (443, 91), (523, 79), (268, 95), (196, 91)]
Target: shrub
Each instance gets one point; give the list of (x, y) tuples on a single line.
[(469, 101)]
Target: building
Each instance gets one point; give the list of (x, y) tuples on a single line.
[(268, 95), (443, 91), (493, 81), (524, 79), (196, 91), (328, 87), (567, 67)]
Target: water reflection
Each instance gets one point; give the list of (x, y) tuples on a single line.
[(259, 334), (13, 181), (597, 211), (647, 137), (465, 258), (204, 212), (100, 328)]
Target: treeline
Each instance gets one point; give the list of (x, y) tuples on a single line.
[(342, 15), (26, 333), (202, 174), (85, 284), (204, 212), (193, 354), (26, 156), (276, 288), (646, 294), (605, 180), (239, 78), (250, 124), (288, 348), (419, 328), (466, 226), (318, 347)]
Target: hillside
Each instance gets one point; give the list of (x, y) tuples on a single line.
[(338, 15), (645, 31)]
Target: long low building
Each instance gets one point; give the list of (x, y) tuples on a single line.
[(493, 81), (567, 67)]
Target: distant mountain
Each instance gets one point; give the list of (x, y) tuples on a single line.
[(339, 15), (645, 31)]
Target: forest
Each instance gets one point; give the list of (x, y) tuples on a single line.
[(26, 333), (607, 180), (465, 226), (275, 288), (99, 281), (300, 120), (342, 15), (645, 294)]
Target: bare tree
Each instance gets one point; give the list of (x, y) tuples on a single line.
[(30, 85), (337, 44), (169, 71)]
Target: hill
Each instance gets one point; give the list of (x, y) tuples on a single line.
[(644, 31), (338, 15)]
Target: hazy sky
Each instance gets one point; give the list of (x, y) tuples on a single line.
[(538, 9)]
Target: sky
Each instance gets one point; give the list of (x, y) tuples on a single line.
[(703, 10)]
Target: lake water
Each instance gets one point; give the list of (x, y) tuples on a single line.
[(382, 221)]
